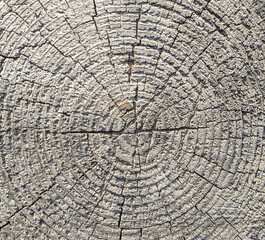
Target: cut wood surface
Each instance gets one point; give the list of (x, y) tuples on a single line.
[(132, 119)]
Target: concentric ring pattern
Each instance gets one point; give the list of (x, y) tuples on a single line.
[(132, 119)]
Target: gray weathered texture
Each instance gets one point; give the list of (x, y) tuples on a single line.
[(132, 119)]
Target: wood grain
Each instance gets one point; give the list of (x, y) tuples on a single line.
[(132, 119)]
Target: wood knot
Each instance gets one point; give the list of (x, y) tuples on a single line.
[(125, 106)]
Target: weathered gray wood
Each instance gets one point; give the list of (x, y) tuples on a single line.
[(132, 119)]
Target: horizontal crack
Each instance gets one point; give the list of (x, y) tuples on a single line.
[(135, 132)]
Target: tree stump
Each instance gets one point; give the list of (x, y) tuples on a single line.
[(132, 119)]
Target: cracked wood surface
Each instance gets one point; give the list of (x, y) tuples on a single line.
[(132, 119)]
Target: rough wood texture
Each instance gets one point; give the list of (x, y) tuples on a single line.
[(129, 119)]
